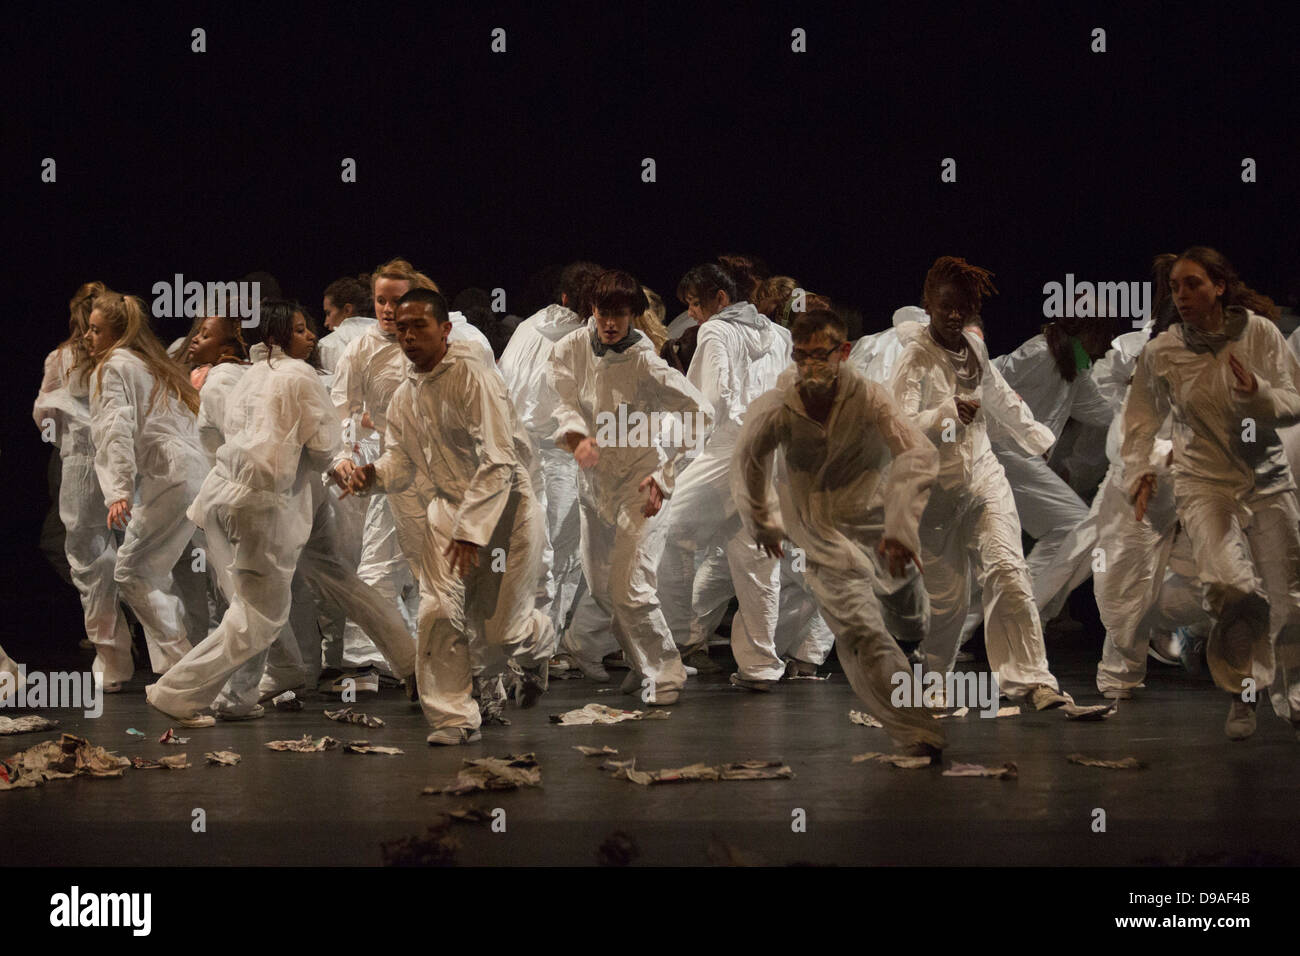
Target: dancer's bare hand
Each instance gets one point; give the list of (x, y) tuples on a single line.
[(119, 513), (587, 452), (464, 556), (897, 555), (341, 473), (966, 410), (654, 496), (770, 540), (1146, 487), (359, 480), (1247, 385)]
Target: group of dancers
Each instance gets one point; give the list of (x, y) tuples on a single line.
[(397, 497)]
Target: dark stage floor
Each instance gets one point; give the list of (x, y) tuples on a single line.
[(1201, 798)]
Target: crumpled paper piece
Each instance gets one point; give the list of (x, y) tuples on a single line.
[(222, 758), (1075, 711), (1126, 763), (494, 773), (174, 762), (1006, 772), (348, 716), (133, 732), (469, 815), (366, 747), (595, 751), (69, 756), (600, 714), (959, 712), (170, 738), (304, 746), (1012, 711), (745, 770), (866, 720), (25, 725), (902, 761)]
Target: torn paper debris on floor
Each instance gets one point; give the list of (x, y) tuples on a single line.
[(1006, 771), (898, 760), (133, 732), (1126, 763), (595, 751), (174, 762), (222, 758), (304, 746), (170, 738), (69, 756), (745, 770), (866, 720), (25, 725), (348, 716), (959, 712), (600, 714), (1012, 711), (494, 773), (365, 747)]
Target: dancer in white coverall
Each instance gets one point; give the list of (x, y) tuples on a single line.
[(1229, 380), (11, 679), (835, 432), (525, 367), (739, 354), (150, 464), (945, 384), (256, 508), (89, 543), (624, 478), (451, 422)]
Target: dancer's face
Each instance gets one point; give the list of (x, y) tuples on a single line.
[(99, 338), (949, 311), (612, 326), (703, 309), (334, 316), (818, 359), (422, 337), (303, 340), (387, 292), (209, 342), (1195, 294)]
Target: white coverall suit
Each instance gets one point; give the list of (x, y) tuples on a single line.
[(1233, 490), (971, 516), (146, 448), (525, 367), (453, 429), (90, 545), (1050, 510), (256, 508), (823, 502), (621, 548), (738, 356)]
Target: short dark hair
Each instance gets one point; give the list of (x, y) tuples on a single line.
[(275, 322), (576, 282), (808, 324), (434, 300), (706, 281), (350, 291), (617, 291)]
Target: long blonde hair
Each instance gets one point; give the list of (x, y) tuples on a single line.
[(125, 315), (403, 270), (650, 323), (79, 309)]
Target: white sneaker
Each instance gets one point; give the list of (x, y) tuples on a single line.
[(454, 736), (1241, 720), (257, 711)]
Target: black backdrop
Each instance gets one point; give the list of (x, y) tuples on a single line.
[(483, 167)]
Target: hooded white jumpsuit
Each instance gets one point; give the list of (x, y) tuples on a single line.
[(525, 367), (738, 355), (1050, 510), (90, 545), (829, 477), (1233, 489), (971, 516), (146, 448), (256, 507), (454, 429), (875, 355), (621, 548)]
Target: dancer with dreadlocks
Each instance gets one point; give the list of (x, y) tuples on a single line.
[(1227, 377), (944, 384)]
